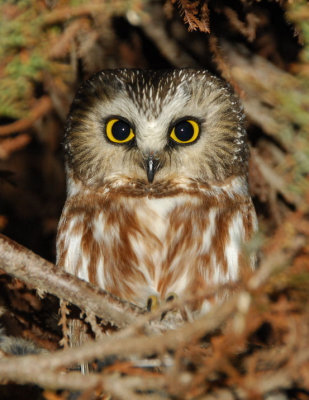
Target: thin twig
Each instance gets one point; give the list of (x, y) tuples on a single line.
[(10, 145), (65, 13), (42, 106)]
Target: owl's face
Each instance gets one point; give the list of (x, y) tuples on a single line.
[(155, 126)]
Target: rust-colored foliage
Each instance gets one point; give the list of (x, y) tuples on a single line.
[(195, 14)]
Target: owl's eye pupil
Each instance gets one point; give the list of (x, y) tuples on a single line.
[(121, 130), (184, 131)]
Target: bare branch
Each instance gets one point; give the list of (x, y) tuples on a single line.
[(22, 263), (65, 13), (33, 368), (42, 369)]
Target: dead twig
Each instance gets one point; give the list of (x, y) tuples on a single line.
[(248, 30), (222, 64), (195, 14), (42, 107), (65, 13), (10, 145), (63, 44)]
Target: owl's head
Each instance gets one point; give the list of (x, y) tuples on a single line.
[(155, 126)]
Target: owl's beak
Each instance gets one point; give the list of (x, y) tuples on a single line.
[(151, 167)]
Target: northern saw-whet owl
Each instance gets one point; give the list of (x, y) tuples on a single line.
[(157, 192)]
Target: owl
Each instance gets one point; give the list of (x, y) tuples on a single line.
[(157, 193)]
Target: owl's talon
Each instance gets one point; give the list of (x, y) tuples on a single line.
[(171, 297), (152, 303)]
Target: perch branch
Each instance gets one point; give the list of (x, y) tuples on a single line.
[(23, 264), (42, 369), (32, 368), (76, 381), (36, 368)]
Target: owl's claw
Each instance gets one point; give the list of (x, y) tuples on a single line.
[(171, 297), (152, 303)]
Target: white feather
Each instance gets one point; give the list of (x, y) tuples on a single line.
[(233, 246)]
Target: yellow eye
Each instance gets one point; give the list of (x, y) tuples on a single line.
[(185, 131), (119, 131)]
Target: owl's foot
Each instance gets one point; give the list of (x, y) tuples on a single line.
[(168, 299), (173, 317), (171, 297), (152, 303)]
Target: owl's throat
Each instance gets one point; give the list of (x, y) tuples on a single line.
[(156, 189)]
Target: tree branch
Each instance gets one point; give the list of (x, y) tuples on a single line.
[(32, 368), (44, 369), (23, 264)]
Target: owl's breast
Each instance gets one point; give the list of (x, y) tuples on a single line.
[(135, 247), (159, 243), (156, 213)]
